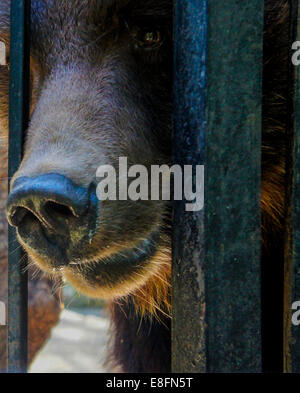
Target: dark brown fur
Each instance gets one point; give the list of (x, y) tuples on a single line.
[(96, 97)]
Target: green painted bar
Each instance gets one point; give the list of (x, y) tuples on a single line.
[(18, 121), (232, 188), (216, 253)]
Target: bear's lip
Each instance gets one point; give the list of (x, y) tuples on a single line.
[(131, 257), (118, 275)]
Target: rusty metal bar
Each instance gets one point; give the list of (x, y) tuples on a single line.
[(18, 121)]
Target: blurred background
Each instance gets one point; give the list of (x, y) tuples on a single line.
[(78, 343)]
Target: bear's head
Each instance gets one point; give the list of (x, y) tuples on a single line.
[(101, 89)]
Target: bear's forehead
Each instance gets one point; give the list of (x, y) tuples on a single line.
[(49, 11), (61, 24)]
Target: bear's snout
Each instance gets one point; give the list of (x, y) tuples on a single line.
[(53, 215)]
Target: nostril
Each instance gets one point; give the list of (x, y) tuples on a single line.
[(57, 209), (18, 214), (51, 199)]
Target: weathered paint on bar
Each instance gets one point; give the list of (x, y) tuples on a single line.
[(233, 184), (188, 339), (217, 122), (292, 252), (18, 120)]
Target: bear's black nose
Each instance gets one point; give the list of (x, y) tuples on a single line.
[(53, 215), (51, 198)]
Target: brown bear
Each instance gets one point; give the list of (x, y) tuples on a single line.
[(101, 74), (101, 88), (44, 300)]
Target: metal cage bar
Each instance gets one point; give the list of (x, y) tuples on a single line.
[(217, 122), (18, 121), (190, 34), (292, 252)]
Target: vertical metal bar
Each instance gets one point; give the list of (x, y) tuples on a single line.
[(18, 120), (292, 251), (232, 219), (188, 338), (216, 253)]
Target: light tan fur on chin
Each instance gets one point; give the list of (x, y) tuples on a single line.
[(155, 295), (150, 288), (35, 257)]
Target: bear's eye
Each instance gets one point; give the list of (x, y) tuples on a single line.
[(147, 38)]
